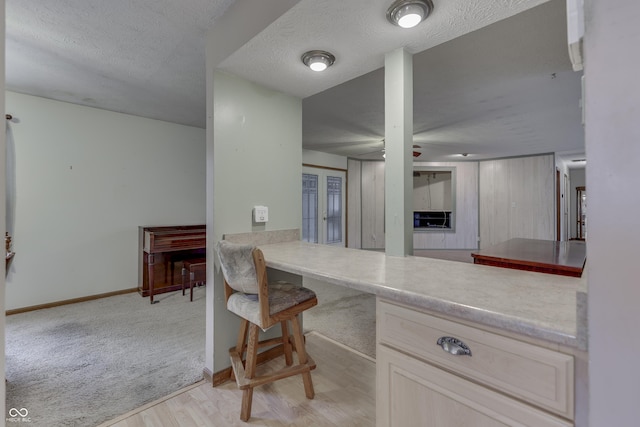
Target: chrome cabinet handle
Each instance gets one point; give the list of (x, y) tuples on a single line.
[(454, 346)]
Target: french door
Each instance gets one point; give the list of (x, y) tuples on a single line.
[(323, 206)]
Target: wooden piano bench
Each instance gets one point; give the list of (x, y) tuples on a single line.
[(194, 272)]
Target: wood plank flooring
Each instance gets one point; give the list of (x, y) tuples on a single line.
[(344, 383)]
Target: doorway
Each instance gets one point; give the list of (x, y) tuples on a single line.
[(581, 212), (565, 203), (323, 206)]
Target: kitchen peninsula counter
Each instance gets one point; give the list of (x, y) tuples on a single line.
[(538, 305)]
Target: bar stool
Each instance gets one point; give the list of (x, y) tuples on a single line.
[(261, 304), (195, 272)]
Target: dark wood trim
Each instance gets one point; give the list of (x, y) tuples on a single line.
[(219, 377), (145, 292), (308, 165), (208, 375), (69, 301), (529, 266)]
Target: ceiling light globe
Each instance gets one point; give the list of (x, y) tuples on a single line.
[(318, 63), (410, 16), (318, 60), (409, 13)]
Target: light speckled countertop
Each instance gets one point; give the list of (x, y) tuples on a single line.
[(538, 305)]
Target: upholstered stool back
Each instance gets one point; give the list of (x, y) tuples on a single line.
[(238, 266)]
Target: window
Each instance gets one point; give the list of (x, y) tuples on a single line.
[(433, 198)]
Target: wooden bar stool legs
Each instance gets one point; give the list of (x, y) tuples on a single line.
[(250, 372), (302, 357), (286, 342), (245, 370)]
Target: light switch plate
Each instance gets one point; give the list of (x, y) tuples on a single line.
[(260, 214)]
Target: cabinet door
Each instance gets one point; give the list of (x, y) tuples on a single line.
[(372, 205), (414, 393)]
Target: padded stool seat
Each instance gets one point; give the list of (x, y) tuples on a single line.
[(282, 295)]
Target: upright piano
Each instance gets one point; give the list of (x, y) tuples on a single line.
[(161, 253)]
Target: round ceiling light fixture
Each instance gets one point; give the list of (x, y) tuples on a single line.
[(409, 13), (318, 60)]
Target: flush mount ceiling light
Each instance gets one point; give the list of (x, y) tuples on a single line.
[(409, 13), (318, 60)]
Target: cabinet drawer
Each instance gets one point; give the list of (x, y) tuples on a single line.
[(414, 393), (537, 375)]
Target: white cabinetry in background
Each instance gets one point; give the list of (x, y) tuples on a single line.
[(366, 200), (517, 199), (372, 205)]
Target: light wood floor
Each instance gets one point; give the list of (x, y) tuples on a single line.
[(344, 383)]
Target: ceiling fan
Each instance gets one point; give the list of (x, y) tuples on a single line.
[(381, 150)]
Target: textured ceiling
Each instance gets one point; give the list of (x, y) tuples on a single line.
[(492, 93), (141, 57), (358, 34), (507, 89)]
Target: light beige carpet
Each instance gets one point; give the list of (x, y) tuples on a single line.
[(85, 363)]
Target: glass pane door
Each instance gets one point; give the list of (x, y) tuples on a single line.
[(310, 208), (323, 202), (334, 210)]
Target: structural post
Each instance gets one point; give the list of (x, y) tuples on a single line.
[(398, 135)]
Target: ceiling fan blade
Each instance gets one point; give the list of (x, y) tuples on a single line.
[(323, 145), (381, 150)]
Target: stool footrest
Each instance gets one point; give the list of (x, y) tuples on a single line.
[(244, 383), (273, 342)]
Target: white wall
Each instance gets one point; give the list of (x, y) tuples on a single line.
[(241, 22), (86, 179), (248, 173), (612, 95), (316, 158)]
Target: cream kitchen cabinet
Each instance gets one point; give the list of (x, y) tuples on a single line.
[(502, 381)]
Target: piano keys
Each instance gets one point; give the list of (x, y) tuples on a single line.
[(161, 253)]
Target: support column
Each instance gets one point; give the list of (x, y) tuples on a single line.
[(398, 135)]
